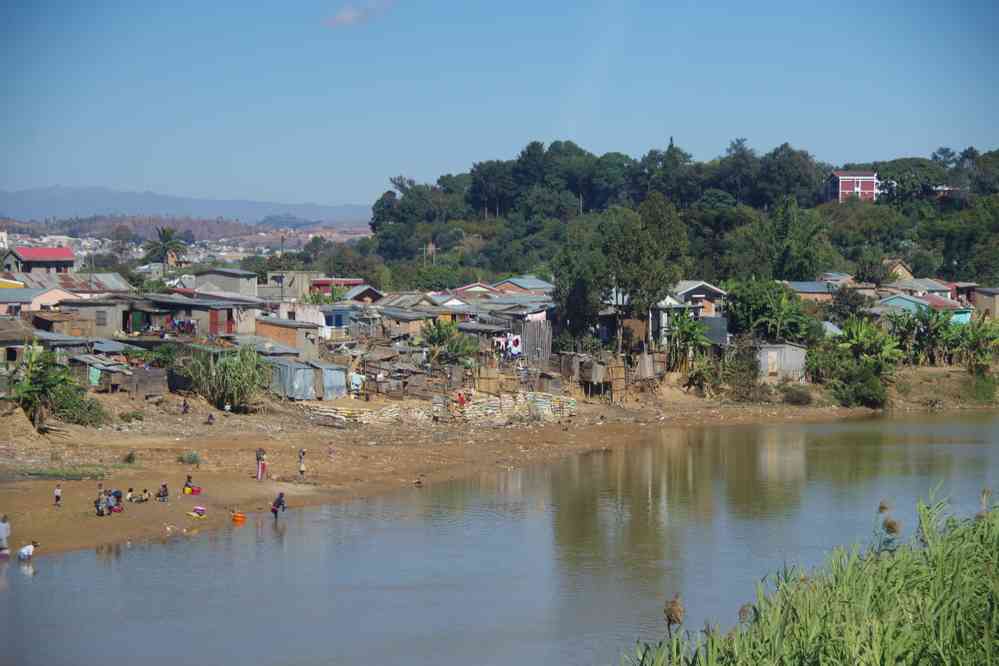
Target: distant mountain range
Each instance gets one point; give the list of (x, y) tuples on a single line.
[(63, 202)]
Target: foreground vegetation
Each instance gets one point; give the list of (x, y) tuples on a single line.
[(931, 600)]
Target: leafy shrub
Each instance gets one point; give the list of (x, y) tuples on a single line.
[(71, 404), (128, 417), (981, 388), (189, 458), (130, 458), (705, 377), (857, 385), (741, 372), (796, 395), (233, 378)]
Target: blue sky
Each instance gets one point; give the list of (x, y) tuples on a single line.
[(324, 101)]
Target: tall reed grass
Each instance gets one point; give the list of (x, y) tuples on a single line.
[(933, 599)]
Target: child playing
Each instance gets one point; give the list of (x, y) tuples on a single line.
[(58, 495)]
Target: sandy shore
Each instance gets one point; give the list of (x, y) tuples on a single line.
[(341, 464)]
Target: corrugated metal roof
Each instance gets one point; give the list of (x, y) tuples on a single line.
[(287, 323), (528, 282), (354, 292), (811, 287), (75, 282), (228, 272), (683, 286), (20, 295)]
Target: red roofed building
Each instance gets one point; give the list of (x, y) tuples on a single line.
[(39, 260), (860, 184), (325, 286)]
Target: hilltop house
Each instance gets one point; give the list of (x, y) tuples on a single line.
[(897, 268), (862, 185), (39, 259), (809, 290)]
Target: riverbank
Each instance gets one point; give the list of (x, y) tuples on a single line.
[(924, 598), (360, 461), (341, 464)]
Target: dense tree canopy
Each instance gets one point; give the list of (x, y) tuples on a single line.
[(743, 215)]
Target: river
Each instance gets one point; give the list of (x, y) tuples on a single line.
[(562, 564)]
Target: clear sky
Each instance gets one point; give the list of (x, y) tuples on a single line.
[(324, 101)]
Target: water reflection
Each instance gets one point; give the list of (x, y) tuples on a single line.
[(568, 563)]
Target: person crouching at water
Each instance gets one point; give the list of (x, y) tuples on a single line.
[(112, 501), (189, 483), (278, 505), (27, 552), (163, 495)]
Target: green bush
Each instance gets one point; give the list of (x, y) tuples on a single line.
[(233, 378), (741, 372), (933, 599), (128, 417), (857, 385), (796, 395), (71, 404), (130, 458), (189, 458), (981, 388)]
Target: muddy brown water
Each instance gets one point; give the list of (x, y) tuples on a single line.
[(567, 563)]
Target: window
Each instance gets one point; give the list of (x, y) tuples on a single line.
[(101, 317)]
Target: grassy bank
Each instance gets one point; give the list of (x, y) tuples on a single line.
[(933, 599)]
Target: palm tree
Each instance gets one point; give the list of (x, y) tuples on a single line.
[(979, 345), (784, 320), (904, 328), (447, 344), (870, 345), (165, 244), (687, 341), (933, 334)]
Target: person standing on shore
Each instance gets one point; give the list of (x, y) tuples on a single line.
[(4, 532), (57, 493), (278, 505), (261, 464), (301, 464)]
